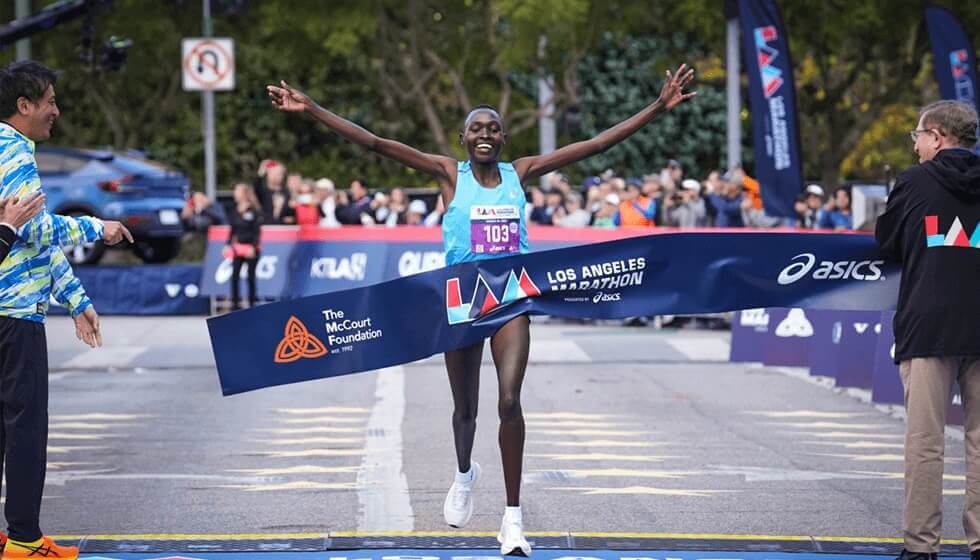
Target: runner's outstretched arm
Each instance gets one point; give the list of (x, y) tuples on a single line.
[(672, 94), (289, 99)]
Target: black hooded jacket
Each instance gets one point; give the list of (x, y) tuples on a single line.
[(932, 227)]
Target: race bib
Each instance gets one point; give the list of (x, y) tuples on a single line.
[(495, 229)]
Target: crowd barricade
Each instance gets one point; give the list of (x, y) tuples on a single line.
[(161, 289), (298, 261), (788, 340), (855, 348)]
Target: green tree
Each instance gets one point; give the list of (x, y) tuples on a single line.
[(625, 75)]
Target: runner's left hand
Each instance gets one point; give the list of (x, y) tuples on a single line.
[(672, 93)]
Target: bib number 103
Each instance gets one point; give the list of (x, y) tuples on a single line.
[(497, 233)]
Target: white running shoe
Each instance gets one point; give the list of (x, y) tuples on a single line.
[(511, 537), (458, 508)]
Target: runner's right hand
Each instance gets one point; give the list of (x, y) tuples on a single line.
[(286, 98)]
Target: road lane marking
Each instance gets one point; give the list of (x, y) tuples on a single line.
[(382, 487)]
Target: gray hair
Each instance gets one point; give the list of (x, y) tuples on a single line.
[(955, 118)]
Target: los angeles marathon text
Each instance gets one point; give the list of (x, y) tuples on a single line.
[(602, 276)]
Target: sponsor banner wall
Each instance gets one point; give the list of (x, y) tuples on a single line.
[(824, 348), (886, 384), (150, 289), (789, 339), (410, 318), (750, 331), (328, 267), (278, 243), (855, 363), (302, 261)]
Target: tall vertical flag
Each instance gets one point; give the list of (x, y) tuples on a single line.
[(954, 57), (772, 102)]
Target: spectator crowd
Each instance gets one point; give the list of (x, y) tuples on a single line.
[(666, 198)]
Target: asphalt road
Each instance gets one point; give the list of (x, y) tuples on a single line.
[(628, 429)]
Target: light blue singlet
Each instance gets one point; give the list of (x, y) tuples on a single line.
[(483, 223)]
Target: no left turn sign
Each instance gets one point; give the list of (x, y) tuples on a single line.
[(208, 64)]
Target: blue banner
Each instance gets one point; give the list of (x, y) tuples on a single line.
[(272, 271), (410, 318), (953, 55), (150, 289), (772, 102)]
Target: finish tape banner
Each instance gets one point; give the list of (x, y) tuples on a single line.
[(410, 318)]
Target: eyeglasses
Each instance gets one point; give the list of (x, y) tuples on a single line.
[(915, 133)]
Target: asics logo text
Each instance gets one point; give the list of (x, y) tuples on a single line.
[(804, 263)]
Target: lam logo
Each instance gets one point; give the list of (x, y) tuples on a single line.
[(484, 300), (297, 343), (772, 77), (955, 237), (959, 66)]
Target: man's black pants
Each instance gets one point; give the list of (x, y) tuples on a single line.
[(23, 423)]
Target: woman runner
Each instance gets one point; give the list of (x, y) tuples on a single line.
[(483, 181)]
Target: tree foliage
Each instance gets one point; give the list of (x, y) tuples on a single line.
[(411, 69), (624, 76)]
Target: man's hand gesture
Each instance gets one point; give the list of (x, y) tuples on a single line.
[(115, 232), (87, 327)]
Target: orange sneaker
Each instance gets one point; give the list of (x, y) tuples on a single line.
[(44, 547)]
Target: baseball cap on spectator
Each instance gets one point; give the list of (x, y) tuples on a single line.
[(815, 189), (591, 181), (417, 206), (691, 185), (634, 182), (608, 174), (324, 184), (673, 163), (612, 198)]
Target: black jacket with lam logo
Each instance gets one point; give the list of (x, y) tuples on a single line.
[(932, 227)]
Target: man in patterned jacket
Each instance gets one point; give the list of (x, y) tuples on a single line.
[(33, 271)]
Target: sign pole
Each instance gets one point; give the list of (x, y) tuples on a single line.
[(207, 110), (23, 10)]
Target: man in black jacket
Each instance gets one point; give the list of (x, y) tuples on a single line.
[(932, 227)]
